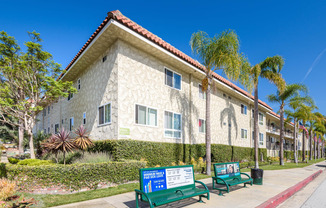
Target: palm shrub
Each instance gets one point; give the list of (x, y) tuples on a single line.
[(50, 146), (82, 141), (63, 143)]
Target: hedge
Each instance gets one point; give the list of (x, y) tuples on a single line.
[(73, 177), (3, 172), (160, 153)]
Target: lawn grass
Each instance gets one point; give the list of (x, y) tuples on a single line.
[(48, 200)]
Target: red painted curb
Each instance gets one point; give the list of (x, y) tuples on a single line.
[(281, 197)]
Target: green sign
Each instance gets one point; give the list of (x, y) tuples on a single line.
[(124, 131)]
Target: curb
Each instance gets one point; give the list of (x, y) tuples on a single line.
[(281, 197)]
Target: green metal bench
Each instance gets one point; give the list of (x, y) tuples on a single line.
[(164, 185), (228, 174)]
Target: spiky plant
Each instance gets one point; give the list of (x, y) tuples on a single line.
[(63, 143), (50, 146), (82, 141)]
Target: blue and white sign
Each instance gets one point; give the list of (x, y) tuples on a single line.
[(161, 179)]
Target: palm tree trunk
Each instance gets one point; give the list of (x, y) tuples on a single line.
[(318, 150), (315, 149), (208, 127), (310, 146), (281, 134), (295, 141), (303, 146), (256, 127)]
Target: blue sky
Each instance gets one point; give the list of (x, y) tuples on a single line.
[(295, 30)]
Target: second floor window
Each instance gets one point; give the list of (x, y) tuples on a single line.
[(84, 118), (71, 124), (202, 125), (261, 118), (146, 116), (70, 96), (172, 79), (244, 109), (243, 134), (202, 94)]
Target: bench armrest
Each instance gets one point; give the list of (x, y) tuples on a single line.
[(218, 178), (139, 192), (245, 175), (201, 184)]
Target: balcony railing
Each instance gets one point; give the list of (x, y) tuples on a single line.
[(276, 130)]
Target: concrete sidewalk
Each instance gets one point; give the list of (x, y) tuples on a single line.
[(275, 182)]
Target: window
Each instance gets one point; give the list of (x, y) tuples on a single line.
[(56, 128), (261, 118), (224, 95), (202, 94), (202, 125), (253, 113), (70, 96), (172, 79), (44, 112), (84, 118), (104, 58), (272, 139), (146, 116), (48, 109), (229, 97), (104, 113), (243, 109), (62, 121), (243, 134), (172, 125), (71, 124), (44, 131), (48, 130), (78, 84), (261, 139)]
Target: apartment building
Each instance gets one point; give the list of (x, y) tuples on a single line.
[(132, 84)]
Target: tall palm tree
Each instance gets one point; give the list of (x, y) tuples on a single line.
[(283, 98), (316, 128), (294, 104), (220, 52), (304, 114), (269, 69)]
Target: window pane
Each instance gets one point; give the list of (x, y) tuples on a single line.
[(101, 114), (177, 81), (152, 117), (107, 116), (177, 134), (177, 121), (168, 120), (141, 114), (168, 133), (168, 78)]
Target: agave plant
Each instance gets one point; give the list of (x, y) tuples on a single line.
[(63, 143), (82, 141)]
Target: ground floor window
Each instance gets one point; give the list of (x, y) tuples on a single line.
[(104, 113), (84, 118), (202, 125), (243, 134), (145, 115), (71, 123), (172, 124), (56, 128)]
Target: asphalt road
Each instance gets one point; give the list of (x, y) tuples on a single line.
[(318, 197)]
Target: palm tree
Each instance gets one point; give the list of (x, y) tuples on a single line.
[(269, 69), (220, 52), (317, 128), (82, 141), (294, 104), (283, 98)]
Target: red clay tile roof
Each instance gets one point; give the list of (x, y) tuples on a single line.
[(119, 17)]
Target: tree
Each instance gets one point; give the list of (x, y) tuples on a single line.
[(269, 69), (28, 84), (220, 52), (294, 104), (283, 98), (316, 129)]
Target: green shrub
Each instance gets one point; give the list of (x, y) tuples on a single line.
[(13, 160), (98, 157), (244, 165), (34, 162), (163, 154), (3, 172), (75, 176)]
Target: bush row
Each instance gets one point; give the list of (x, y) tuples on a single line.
[(159, 153), (73, 177)]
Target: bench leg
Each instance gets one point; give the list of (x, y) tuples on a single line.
[(200, 200), (137, 200), (244, 185)]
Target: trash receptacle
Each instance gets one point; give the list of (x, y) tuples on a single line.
[(257, 176)]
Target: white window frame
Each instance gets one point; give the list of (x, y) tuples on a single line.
[(246, 135), (200, 89), (70, 96), (84, 118), (166, 68), (78, 84), (98, 114), (260, 142), (147, 107), (244, 107), (172, 124), (261, 122), (58, 128), (202, 124), (71, 124)]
